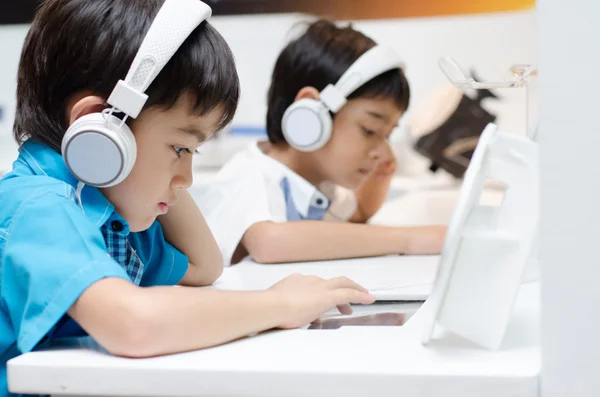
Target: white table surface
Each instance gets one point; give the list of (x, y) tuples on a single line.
[(349, 361), (393, 277)]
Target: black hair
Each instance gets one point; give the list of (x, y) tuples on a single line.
[(88, 45), (320, 57)]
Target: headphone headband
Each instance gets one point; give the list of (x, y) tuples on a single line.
[(175, 21), (369, 65)]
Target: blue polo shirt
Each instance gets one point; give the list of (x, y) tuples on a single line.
[(52, 248)]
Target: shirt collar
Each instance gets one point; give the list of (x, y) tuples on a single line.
[(38, 159), (304, 194)]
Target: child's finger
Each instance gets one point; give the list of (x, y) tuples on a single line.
[(386, 168), (344, 282), (345, 309), (348, 295)]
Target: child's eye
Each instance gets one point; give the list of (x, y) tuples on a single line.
[(181, 150), (368, 132)]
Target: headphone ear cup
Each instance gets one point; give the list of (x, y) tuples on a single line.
[(306, 125), (98, 150)]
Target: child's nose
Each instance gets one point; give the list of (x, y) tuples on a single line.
[(376, 152), (382, 151), (184, 178)]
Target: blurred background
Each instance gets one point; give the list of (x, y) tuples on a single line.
[(485, 36)]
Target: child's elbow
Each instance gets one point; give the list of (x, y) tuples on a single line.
[(209, 276), (264, 253), (214, 268), (135, 336), (264, 256), (261, 243), (214, 274), (120, 317), (201, 276)]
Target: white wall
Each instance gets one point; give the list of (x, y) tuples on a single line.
[(570, 224), (491, 43), (11, 40)]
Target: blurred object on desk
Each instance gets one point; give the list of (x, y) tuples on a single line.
[(448, 125)]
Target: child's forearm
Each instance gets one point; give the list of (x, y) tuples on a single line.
[(302, 241), (373, 192), (185, 228), (371, 195), (200, 318), (144, 322)]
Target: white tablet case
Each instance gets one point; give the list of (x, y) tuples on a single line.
[(487, 249)]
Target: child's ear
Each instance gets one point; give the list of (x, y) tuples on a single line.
[(307, 93), (82, 106)]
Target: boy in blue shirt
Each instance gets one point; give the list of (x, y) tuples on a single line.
[(77, 259), (334, 99)]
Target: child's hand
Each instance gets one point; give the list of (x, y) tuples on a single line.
[(426, 240), (385, 168), (373, 191), (388, 165), (308, 297)]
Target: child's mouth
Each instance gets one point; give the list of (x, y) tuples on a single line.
[(164, 207)]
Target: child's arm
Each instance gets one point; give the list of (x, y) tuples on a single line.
[(269, 242), (373, 191), (185, 228), (141, 322)]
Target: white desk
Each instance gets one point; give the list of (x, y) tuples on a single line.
[(393, 277), (350, 361)]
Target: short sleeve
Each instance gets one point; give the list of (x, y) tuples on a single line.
[(163, 263), (52, 253), (343, 202), (233, 202)]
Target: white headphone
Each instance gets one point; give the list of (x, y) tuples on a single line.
[(99, 149), (306, 123)]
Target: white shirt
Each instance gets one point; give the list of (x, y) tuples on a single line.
[(253, 188)]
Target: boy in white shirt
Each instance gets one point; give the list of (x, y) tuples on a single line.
[(335, 98)]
